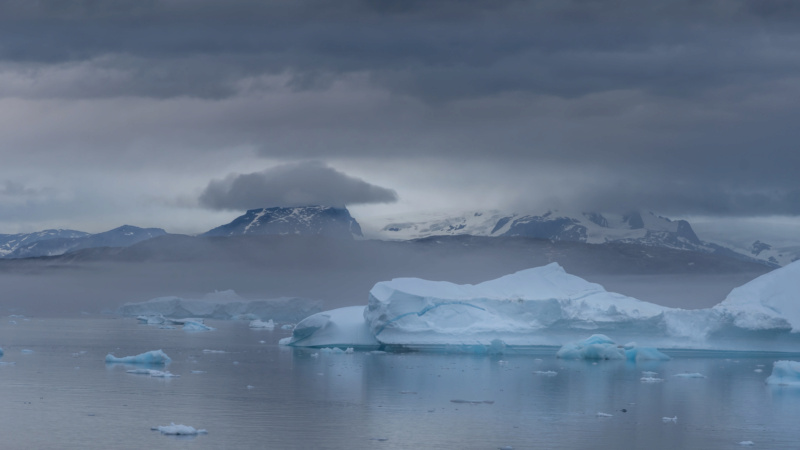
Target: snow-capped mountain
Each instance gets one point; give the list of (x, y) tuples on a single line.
[(11, 242), (315, 220), (588, 227), (53, 244)]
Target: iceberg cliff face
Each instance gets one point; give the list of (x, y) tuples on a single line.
[(547, 306)]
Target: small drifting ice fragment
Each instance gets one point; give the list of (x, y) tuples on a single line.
[(547, 373), (191, 325), (26, 351), (602, 414), (288, 326), (651, 380), (179, 430), (670, 419), (151, 357), (785, 373), (473, 402), (689, 375), (747, 443), (153, 373), (260, 324), (205, 350)]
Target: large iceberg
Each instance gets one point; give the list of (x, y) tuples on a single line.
[(545, 306), (224, 305), (785, 373)]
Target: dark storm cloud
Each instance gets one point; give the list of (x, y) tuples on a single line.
[(679, 107), (300, 184)]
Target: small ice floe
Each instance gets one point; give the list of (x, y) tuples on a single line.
[(602, 414), (198, 371), (151, 357), (183, 321), (502, 363), (473, 402), (250, 386), (179, 430), (785, 373), (79, 354), (191, 325), (12, 322), (747, 443), (7, 363), (689, 375), (648, 373), (16, 316), (153, 373), (26, 351), (288, 326), (260, 324), (651, 380), (315, 355), (547, 373), (670, 419), (758, 370), (205, 350), (1, 352)]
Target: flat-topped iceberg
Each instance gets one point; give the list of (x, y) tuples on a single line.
[(223, 305), (547, 306), (153, 357)]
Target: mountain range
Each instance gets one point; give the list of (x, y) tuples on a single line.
[(644, 229)]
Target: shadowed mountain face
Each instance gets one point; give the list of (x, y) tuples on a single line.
[(311, 220), (341, 272)]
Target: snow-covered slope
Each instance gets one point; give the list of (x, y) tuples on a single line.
[(591, 228), (11, 242), (317, 220), (547, 306), (123, 236)]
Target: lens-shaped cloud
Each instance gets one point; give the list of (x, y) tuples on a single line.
[(297, 184)]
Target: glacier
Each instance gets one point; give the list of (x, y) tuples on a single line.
[(222, 305), (546, 306)]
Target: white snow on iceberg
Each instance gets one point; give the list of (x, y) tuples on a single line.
[(224, 305), (547, 306), (785, 373), (154, 357)]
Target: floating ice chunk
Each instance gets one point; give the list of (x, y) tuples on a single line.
[(268, 325), (153, 373), (342, 327), (336, 350), (597, 346), (645, 354), (747, 443), (602, 414), (2, 352), (155, 357), (205, 350), (191, 325), (473, 402), (151, 319), (548, 373), (179, 430), (689, 375), (287, 326), (651, 380), (7, 363), (79, 354), (26, 351), (785, 373), (670, 419)]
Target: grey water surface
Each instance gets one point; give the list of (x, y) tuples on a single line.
[(252, 393)]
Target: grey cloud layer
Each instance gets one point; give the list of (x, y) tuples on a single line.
[(679, 107), (300, 184)]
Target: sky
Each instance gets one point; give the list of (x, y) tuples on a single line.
[(182, 114)]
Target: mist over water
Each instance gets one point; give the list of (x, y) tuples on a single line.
[(341, 273)]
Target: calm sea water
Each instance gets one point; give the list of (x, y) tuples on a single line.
[(259, 395)]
